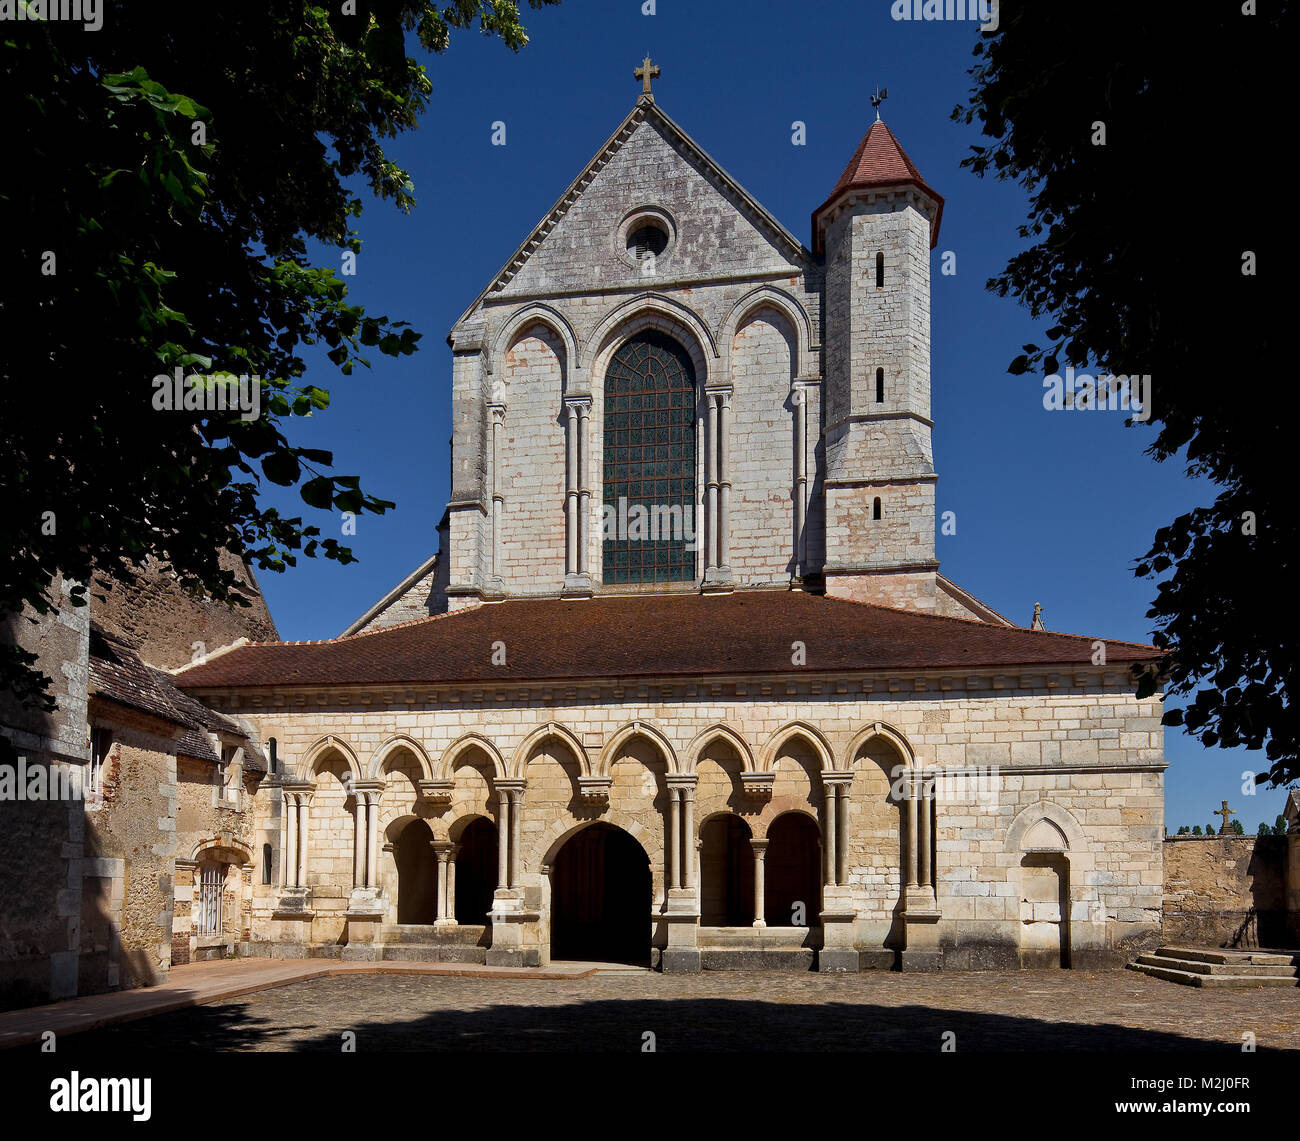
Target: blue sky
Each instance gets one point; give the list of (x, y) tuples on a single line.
[(1051, 507)]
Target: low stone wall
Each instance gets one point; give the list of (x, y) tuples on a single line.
[(1212, 882)]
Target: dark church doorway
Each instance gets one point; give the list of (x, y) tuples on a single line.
[(600, 898), (476, 871), (417, 875), (793, 872), (726, 873)]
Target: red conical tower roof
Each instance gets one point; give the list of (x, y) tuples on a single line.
[(878, 162)]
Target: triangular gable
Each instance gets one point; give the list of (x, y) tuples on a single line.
[(645, 111)]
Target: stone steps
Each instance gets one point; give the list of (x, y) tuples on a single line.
[(429, 953), (1286, 958), (1282, 970), (1193, 966)]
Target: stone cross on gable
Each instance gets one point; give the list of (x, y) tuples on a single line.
[(1225, 812), (646, 72)]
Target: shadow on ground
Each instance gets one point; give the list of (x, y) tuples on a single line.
[(703, 1024)]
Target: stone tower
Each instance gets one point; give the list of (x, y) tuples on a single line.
[(876, 231)]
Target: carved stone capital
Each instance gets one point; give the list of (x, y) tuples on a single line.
[(594, 790), (758, 785), (436, 791)]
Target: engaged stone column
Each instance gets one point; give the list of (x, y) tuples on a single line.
[(760, 880), (358, 840), (516, 812), (440, 853), (290, 870), (912, 846), (498, 412), (304, 837), (674, 838), (925, 834), (711, 484), (451, 884), (830, 799), (572, 480), (842, 823), (800, 397), (372, 839), (503, 839), (688, 830), (724, 480), (584, 492)]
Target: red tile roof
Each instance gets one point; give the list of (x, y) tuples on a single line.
[(879, 161), (647, 636)]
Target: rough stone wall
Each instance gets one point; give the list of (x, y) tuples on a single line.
[(713, 239), (137, 825), (423, 598), (902, 591), (163, 622), (211, 827), (763, 361), (1094, 755), (1212, 882), (61, 642), (40, 900), (533, 464), (40, 905), (878, 448)]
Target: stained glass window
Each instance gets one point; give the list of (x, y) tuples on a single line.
[(649, 522)]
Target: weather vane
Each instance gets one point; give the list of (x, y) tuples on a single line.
[(877, 99)]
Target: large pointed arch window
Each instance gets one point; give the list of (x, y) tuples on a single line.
[(649, 523)]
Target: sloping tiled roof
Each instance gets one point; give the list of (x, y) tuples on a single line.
[(196, 745), (879, 161), (117, 674), (647, 636)]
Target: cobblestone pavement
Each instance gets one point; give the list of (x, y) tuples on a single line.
[(1019, 1010)]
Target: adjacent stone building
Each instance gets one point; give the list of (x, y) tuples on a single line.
[(683, 683), (128, 807)]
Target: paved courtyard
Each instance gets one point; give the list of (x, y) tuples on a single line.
[(1021, 1011)]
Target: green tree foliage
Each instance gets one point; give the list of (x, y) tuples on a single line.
[(1237, 828), (1140, 266), (1196, 830), (162, 177)]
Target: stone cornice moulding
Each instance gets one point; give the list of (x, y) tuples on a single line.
[(1061, 678)]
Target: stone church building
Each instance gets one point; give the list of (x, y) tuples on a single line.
[(683, 684)]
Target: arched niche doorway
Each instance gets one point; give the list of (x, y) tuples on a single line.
[(601, 897), (476, 871), (1045, 909), (793, 876), (726, 873), (417, 875)]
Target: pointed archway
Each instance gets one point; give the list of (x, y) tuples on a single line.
[(601, 897), (417, 875), (726, 873), (476, 872), (794, 886)]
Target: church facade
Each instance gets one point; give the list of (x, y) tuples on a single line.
[(683, 684)]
